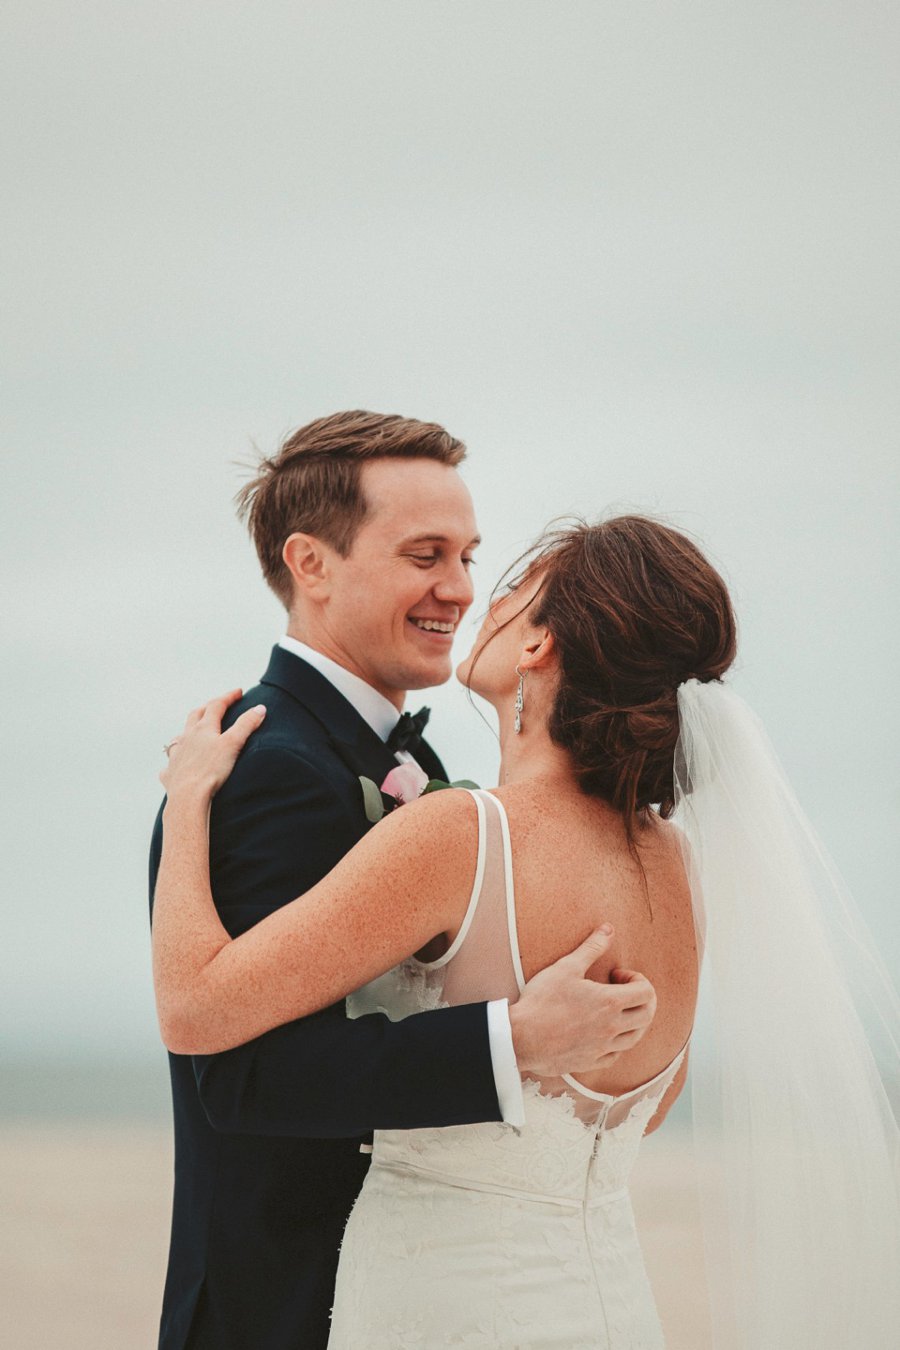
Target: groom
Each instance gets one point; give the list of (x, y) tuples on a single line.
[(366, 532)]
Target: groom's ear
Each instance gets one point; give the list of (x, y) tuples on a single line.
[(306, 558)]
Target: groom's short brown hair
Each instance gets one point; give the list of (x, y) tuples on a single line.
[(313, 483)]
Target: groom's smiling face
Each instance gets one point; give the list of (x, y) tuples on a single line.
[(389, 610)]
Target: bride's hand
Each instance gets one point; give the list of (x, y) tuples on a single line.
[(202, 757)]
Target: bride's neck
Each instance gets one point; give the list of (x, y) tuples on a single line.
[(531, 754)]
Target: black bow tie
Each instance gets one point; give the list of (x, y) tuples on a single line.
[(407, 734)]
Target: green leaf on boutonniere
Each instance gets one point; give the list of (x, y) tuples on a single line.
[(372, 799), (438, 784)]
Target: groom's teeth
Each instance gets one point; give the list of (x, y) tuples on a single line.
[(432, 625)]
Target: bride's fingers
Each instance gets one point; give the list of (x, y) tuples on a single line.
[(244, 726), (216, 708)]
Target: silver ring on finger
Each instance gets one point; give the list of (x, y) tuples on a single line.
[(167, 749)]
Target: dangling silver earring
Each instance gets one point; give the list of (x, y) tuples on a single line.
[(520, 700)]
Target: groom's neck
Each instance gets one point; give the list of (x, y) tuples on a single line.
[(341, 656)]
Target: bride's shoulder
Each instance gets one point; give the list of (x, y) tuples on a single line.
[(427, 845), (444, 816)]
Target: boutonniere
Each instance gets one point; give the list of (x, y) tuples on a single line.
[(404, 784)]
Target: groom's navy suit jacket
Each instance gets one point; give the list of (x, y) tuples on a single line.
[(267, 1136)]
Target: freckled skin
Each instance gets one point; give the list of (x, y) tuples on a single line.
[(572, 871)]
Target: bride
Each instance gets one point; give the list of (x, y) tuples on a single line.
[(603, 660)]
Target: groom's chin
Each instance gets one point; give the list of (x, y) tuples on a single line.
[(430, 675)]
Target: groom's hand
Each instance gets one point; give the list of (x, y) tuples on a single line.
[(567, 1023)]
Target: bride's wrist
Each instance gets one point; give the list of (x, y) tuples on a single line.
[(188, 799)]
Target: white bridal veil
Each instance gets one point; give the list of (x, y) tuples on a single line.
[(796, 1057)]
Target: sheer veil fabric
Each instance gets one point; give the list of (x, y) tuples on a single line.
[(796, 1064)]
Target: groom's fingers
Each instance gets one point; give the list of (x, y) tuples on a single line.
[(620, 975), (627, 1039), (638, 998), (639, 991), (595, 945)]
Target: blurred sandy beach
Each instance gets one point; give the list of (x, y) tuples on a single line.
[(85, 1228), (82, 1252)]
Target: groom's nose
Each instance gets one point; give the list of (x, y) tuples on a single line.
[(454, 585)]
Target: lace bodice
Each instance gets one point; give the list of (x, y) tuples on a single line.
[(576, 1144)]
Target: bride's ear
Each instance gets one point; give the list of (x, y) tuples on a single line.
[(540, 652)]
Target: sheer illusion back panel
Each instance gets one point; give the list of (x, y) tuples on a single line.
[(483, 965)]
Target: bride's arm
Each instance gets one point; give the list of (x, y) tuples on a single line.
[(407, 880)]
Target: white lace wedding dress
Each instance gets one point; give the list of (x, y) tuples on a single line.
[(486, 1236)]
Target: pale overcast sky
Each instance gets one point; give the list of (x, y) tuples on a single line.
[(637, 256)]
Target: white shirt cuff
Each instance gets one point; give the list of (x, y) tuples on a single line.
[(503, 1058)]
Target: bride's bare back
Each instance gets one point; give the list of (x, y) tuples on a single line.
[(573, 870)]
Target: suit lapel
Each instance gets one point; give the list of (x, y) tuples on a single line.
[(349, 734), (362, 757)]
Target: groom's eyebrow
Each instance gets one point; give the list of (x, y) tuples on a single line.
[(438, 539)]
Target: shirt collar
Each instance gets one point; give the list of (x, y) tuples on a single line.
[(372, 707)]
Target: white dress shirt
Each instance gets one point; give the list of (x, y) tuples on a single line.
[(382, 717)]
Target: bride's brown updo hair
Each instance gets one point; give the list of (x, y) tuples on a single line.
[(635, 609)]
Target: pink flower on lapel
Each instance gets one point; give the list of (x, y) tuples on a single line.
[(405, 783)]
